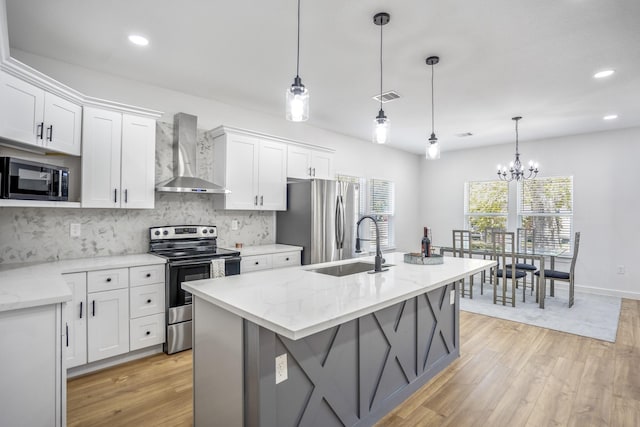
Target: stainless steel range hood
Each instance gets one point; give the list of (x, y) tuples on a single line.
[(184, 160)]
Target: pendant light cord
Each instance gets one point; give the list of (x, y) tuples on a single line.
[(517, 138), (298, 52), (432, 104), (381, 66)]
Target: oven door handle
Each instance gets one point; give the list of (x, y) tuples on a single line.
[(230, 258), (187, 263)]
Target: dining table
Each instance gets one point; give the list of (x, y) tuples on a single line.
[(537, 254)]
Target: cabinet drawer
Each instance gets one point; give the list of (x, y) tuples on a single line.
[(286, 259), (146, 331), (146, 275), (146, 300), (105, 280), (255, 263)]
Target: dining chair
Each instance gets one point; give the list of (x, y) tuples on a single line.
[(525, 238), (462, 249), (562, 275), (503, 245)]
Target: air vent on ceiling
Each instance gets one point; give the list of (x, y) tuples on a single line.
[(464, 134), (387, 96)]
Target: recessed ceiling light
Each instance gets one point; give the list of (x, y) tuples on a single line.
[(604, 73), (139, 40), (610, 117)]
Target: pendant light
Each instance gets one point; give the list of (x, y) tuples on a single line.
[(297, 96), (381, 124), (433, 146), (517, 171)]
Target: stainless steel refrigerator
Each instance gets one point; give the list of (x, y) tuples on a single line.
[(321, 217)]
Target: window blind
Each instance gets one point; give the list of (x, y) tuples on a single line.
[(545, 205), (381, 207)]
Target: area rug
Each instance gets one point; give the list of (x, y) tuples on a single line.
[(593, 316)]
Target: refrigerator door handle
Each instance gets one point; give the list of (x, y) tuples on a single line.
[(340, 218)]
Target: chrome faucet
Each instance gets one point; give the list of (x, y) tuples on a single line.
[(378, 259)]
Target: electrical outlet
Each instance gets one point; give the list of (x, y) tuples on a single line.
[(281, 368), (452, 297), (234, 224), (620, 269), (75, 230)]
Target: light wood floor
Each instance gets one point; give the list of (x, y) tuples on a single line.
[(509, 374)]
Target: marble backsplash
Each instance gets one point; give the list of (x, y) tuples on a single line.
[(42, 234)]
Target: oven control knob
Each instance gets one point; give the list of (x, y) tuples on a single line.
[(211, 230), (165, 232), (157, 233), (204, 231)]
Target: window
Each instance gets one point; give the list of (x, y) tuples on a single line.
[(486, 208), (377, 200), (546, 205), (381, 206)]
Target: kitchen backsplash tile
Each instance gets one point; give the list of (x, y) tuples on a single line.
[(42, 234)]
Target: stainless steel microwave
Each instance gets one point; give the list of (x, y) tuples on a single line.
[(27, 180)]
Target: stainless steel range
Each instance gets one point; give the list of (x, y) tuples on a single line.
[(190, 250)]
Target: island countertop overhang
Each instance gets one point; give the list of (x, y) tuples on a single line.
[(297, 302)]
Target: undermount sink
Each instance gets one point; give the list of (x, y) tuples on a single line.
[(347, 269)]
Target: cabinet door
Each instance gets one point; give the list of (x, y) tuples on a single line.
[(101, 140), (242, 172), (108, 324), (21, 111), (75, 321), (298, 162), (138, 162), (272, 176), (30, 367), (322, 165), (63, 125)]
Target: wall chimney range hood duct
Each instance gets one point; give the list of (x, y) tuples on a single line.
[(184, 160)]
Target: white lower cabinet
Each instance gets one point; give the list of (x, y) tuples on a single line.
[(107, 324), (269, 261), (146, 331), (113, 311), (75, 315), (32, 392)]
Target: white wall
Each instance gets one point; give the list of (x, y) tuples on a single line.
[(353, 156), (606, 198)]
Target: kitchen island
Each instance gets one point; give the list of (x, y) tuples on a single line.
[(298, 347)]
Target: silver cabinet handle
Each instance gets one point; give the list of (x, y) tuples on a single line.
[(310, 172), (50, 133), (40, 130), (255, 201), (261, 200), (115, 195), (126, 196), (314, 172)]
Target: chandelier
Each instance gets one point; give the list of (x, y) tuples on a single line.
[(516, 171)]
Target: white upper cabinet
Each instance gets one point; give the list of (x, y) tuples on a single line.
[(254, 169), (37, 119), (138, 175), (102, 137), (118, 160), (303, 162)]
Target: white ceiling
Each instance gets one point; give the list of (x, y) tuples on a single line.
[(499, 58)]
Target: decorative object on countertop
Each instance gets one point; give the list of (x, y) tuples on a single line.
[(238, 245), (297, 95), (381, 122), (433, 146), (426, 243), (516, 170), (414, 258)]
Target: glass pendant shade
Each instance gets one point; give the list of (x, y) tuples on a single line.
[(381, 128), (433, 148), (297, 99)]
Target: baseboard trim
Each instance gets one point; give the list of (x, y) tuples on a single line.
[(113, 361), (598, 291)]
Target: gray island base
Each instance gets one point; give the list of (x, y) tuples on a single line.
[(349, 374)]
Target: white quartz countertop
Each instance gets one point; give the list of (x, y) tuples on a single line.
[(268, 249), (36, 284), (296, 302)]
